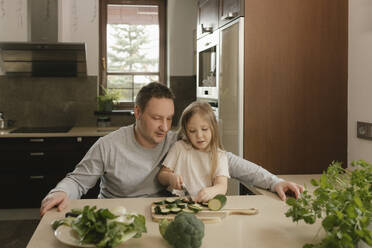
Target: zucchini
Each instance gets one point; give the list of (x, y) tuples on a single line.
[(186, 210), (182, 205), (159, 202), (175, 210), (204, 204), (170, 200), (165, 211), (195, 207), (217, 203), (157, 210), (172, 205)]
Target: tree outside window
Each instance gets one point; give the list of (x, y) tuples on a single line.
[(132, 54)]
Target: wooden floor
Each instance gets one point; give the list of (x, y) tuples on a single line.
[(16, 233), (17, 226), (20, 214)]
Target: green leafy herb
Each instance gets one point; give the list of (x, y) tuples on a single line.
[(102, 228), (343, 200)]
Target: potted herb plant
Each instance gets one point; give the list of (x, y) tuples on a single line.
[(343, 201), (107, 100)]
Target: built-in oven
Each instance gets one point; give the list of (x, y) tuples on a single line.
[(208, 66)]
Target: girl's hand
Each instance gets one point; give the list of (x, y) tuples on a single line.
[(175, 181), (219, 187), (206, 194)]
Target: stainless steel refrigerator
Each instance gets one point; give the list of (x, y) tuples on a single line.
[(231, 89)]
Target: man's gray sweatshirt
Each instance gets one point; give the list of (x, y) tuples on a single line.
[(127, 169)]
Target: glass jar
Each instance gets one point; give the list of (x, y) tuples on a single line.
[(2, 121)]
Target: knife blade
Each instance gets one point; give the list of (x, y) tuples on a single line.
[(187, 194)]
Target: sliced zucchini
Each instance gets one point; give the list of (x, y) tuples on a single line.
[(157, 210), (165, 211), (175, 210), (177, 201), (217, 203), (195, 207), (170, 200), (186, 210), (172, 205), (159, 202), (182, 205), (204, 204)]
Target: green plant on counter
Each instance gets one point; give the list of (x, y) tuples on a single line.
[(106, 101), (343, 200)]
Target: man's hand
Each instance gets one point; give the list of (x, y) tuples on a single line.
[(58, 199), (290, 187)]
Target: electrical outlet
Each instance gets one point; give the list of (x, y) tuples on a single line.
[(364, 130)]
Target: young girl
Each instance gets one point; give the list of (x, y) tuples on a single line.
[(197, 159)]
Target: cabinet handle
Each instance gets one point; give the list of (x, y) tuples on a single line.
[(36, 140), (208, 29), (230, 16), (104, 63), (36, 177), (37, 154)]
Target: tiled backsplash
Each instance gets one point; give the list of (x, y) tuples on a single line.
[(32, 101), (51, 101)]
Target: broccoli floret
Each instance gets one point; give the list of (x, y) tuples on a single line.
[(185, 231)]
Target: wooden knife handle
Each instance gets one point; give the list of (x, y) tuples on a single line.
[(249, 211)]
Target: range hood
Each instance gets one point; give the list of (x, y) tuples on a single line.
[(43, 55)]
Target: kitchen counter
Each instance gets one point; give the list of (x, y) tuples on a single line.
[(269, 228), (75, 131)]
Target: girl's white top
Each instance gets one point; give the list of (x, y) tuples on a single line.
[(194, 166)]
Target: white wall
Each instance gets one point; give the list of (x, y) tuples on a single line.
[(78, 22), (181, 18), (13, 20), (360, 77)]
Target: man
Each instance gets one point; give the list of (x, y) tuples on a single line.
[(128, 159)]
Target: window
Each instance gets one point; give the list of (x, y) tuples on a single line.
[(132, 46)]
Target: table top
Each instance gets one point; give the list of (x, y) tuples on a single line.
[(269, 228)]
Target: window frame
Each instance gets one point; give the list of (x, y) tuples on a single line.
[(103, 45)]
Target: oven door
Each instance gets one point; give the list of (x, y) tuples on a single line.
[(208, 66)]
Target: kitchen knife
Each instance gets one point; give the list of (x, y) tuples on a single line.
[(187, 194)]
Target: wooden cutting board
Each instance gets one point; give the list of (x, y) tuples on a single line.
[(206, 215)]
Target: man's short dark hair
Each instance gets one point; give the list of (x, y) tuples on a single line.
[(150, 90)]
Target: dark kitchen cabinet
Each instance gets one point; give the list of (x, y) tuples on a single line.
[(31, 167), (229, 10), (207, 17)]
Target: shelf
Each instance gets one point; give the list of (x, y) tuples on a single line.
[(114, 112)]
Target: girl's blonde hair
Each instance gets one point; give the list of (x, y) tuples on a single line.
[(206, 112)]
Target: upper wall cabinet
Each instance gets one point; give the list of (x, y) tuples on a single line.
[(229, 10), (207, 17)]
